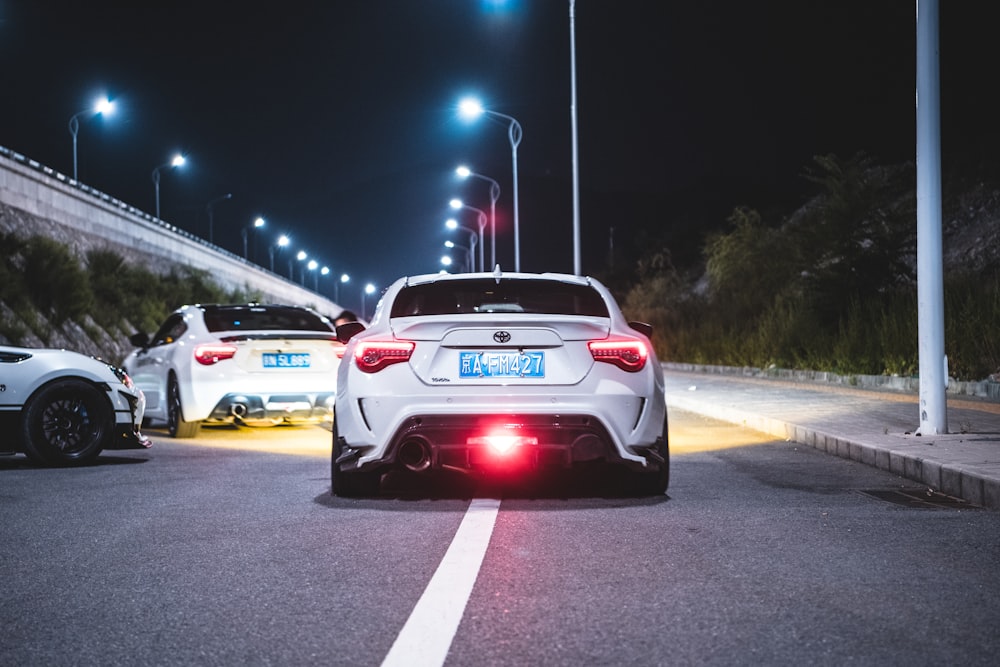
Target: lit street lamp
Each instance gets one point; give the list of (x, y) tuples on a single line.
[(103, 106), (468, 255), (369, 289), (245, 232), (465, 172), (470, 108), (210, 207), (312, 266), (302, 276), (282, 242), (457, 204), (344, 278), (177, 161)]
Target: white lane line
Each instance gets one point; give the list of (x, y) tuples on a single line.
[(426, 637)]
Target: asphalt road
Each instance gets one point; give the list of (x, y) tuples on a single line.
[(229, 550)]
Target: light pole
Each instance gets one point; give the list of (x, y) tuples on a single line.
[(245, 232), (457, 204), (344, 278), (469, 262), (312, 266), (452, 223), (302, 275), (325, 271), (471, 108), (465, 172), (369, 289), (210, 207), (177, 161), (102, 106), (576, 149), (282, 242)]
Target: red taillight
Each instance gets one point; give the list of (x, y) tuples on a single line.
[(628, 355), (371, 356), (502, 443), (206, 355)]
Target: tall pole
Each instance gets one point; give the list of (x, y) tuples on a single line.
[(156, 186), (576, 157), (930, 281), (514, 134), (74, 129)]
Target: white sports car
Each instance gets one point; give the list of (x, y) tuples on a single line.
[(497, 372), (63, 408), (248, 364)]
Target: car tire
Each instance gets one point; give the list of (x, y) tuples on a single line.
[(655, 483), (350, 484), (67, 422), (176, 426)]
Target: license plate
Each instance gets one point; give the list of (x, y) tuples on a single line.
[(286, 360), (501, 364)]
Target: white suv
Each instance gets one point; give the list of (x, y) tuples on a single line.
[(249, 364), (497, 372)]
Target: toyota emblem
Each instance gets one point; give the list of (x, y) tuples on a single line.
[(502, 337)]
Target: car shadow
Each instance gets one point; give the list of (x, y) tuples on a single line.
[(587, 488)]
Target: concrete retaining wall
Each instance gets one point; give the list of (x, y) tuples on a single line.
[(36, 200)]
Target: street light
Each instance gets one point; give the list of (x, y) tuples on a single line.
[(471, 108), (369, 289), (468, 254), (245, 232), (344, 278), (312, 266), (103, 106), (452, 223), (457, 204), (282, 242), (302, 276), (177, 161), (210, 207), (464, 172)]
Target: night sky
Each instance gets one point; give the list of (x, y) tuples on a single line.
[(337, 120)]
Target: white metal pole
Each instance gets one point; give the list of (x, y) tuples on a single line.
[(930, 281), (576, 155)]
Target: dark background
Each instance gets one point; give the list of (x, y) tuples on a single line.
[(336, 121)]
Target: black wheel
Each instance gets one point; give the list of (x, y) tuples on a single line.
[(67, 422), (176, 426), (350, 484), (655, 483)]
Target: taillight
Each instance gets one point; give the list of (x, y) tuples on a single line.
[(628, 355), (374, 355), (209, 354)]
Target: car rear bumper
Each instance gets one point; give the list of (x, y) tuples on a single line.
[(269, 410), (459, 442)]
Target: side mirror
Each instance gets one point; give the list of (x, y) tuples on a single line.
[(349, 330), (643, 328), (139, 340)]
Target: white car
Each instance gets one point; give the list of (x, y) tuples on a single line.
[(497, 372), (248, 364), (63, 408)]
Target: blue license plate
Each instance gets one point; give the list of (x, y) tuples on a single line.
[(286, 360), (501, 364)]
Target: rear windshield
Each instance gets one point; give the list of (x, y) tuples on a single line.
[(263, 318), (549, 297)]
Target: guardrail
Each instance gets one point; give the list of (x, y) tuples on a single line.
[(119, 204)]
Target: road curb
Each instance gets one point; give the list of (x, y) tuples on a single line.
[(953, 479)]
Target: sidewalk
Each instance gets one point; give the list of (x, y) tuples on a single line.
[(873, 427)]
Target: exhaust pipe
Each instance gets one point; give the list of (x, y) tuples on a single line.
[(415, 455), (238, 410)]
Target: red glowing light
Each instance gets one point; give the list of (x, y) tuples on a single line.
[(208, 354), (372, 356), (628, 355), (502, 443)]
